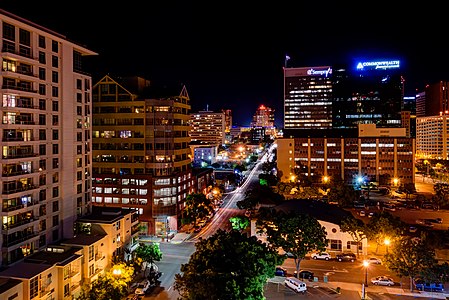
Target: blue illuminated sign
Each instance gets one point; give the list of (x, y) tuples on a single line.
[(386, 64)]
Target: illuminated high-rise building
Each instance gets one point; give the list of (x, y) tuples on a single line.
[(308, 98), (46, 137), (141, 153)]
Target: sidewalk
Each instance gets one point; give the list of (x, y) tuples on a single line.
[(178, 238), (378, 289)]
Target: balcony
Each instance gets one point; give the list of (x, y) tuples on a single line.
[(24, 188), (19, 88), (11, 242)]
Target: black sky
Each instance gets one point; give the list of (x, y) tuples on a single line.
[(230, 54)]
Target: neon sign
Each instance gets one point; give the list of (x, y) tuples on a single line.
[(325, 72), (386, 64)]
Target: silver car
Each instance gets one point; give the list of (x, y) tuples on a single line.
[(382, 280)]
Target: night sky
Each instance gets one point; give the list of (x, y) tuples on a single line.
[(230, 54)]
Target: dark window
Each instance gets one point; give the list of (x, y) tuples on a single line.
[(54, 91), (79, 137), (42, 73), (55, 120), (42, 58), (55, 148), (54, 76), (42, 135), (9, 32), (54, 61), (24, 37), (42, 149), (79, 84), (55, 134), (42, 41), (55, 106), (77, 59), (55, 206), (55, 163), (55, 192), (42, 89), (42, 105), (79, 97), (79, 110), (42, 120), (55, 235), (55, 46)]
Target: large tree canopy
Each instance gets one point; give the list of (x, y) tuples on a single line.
[(198, 206), (411, 257), (227, 265), (296, 233)]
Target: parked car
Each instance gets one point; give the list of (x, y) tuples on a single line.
[(421, 285), (296, 284), (374, 260), (322, 255), (280, 271), (348, 256), (382, 280), (304, 274), (142, 287)]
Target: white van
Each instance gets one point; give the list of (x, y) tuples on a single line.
[(295, 284)]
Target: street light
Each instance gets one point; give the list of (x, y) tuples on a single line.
[(387, 243), (365, 265), (167, 226)]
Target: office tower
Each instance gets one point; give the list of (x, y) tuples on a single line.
[(308, 98), (371, 92), (141, 153), (434, 100), (327, 113), (263, 117), (228, 119), (208, 128), (46, 137)]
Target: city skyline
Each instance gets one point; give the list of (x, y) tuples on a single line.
[(232, 57)]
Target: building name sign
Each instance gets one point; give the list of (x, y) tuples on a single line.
[(386, 64), (325, 72)]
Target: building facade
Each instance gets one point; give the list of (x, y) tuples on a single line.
[(45, 134), (432, 137), (208, 128), (308, 98), (141, 153), (379, 154)]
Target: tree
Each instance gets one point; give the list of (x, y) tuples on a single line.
[(384, 226), (295, 233), (227, 265), (355, 228), (260, 193), (341, 193), (197, 206), (112, 285), (410, 257), (239, 223), (149, 253), (441, 193)]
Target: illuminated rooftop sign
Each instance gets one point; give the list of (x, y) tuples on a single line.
[(324, 72), (387, 64)]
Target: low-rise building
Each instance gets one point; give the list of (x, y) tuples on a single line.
[(329, 216)]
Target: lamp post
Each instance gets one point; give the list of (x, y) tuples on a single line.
[(387, 243), (167, 226), (365, 284)]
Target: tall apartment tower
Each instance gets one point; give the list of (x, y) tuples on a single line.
[(208, 128), (45, 134), (141, 153)]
